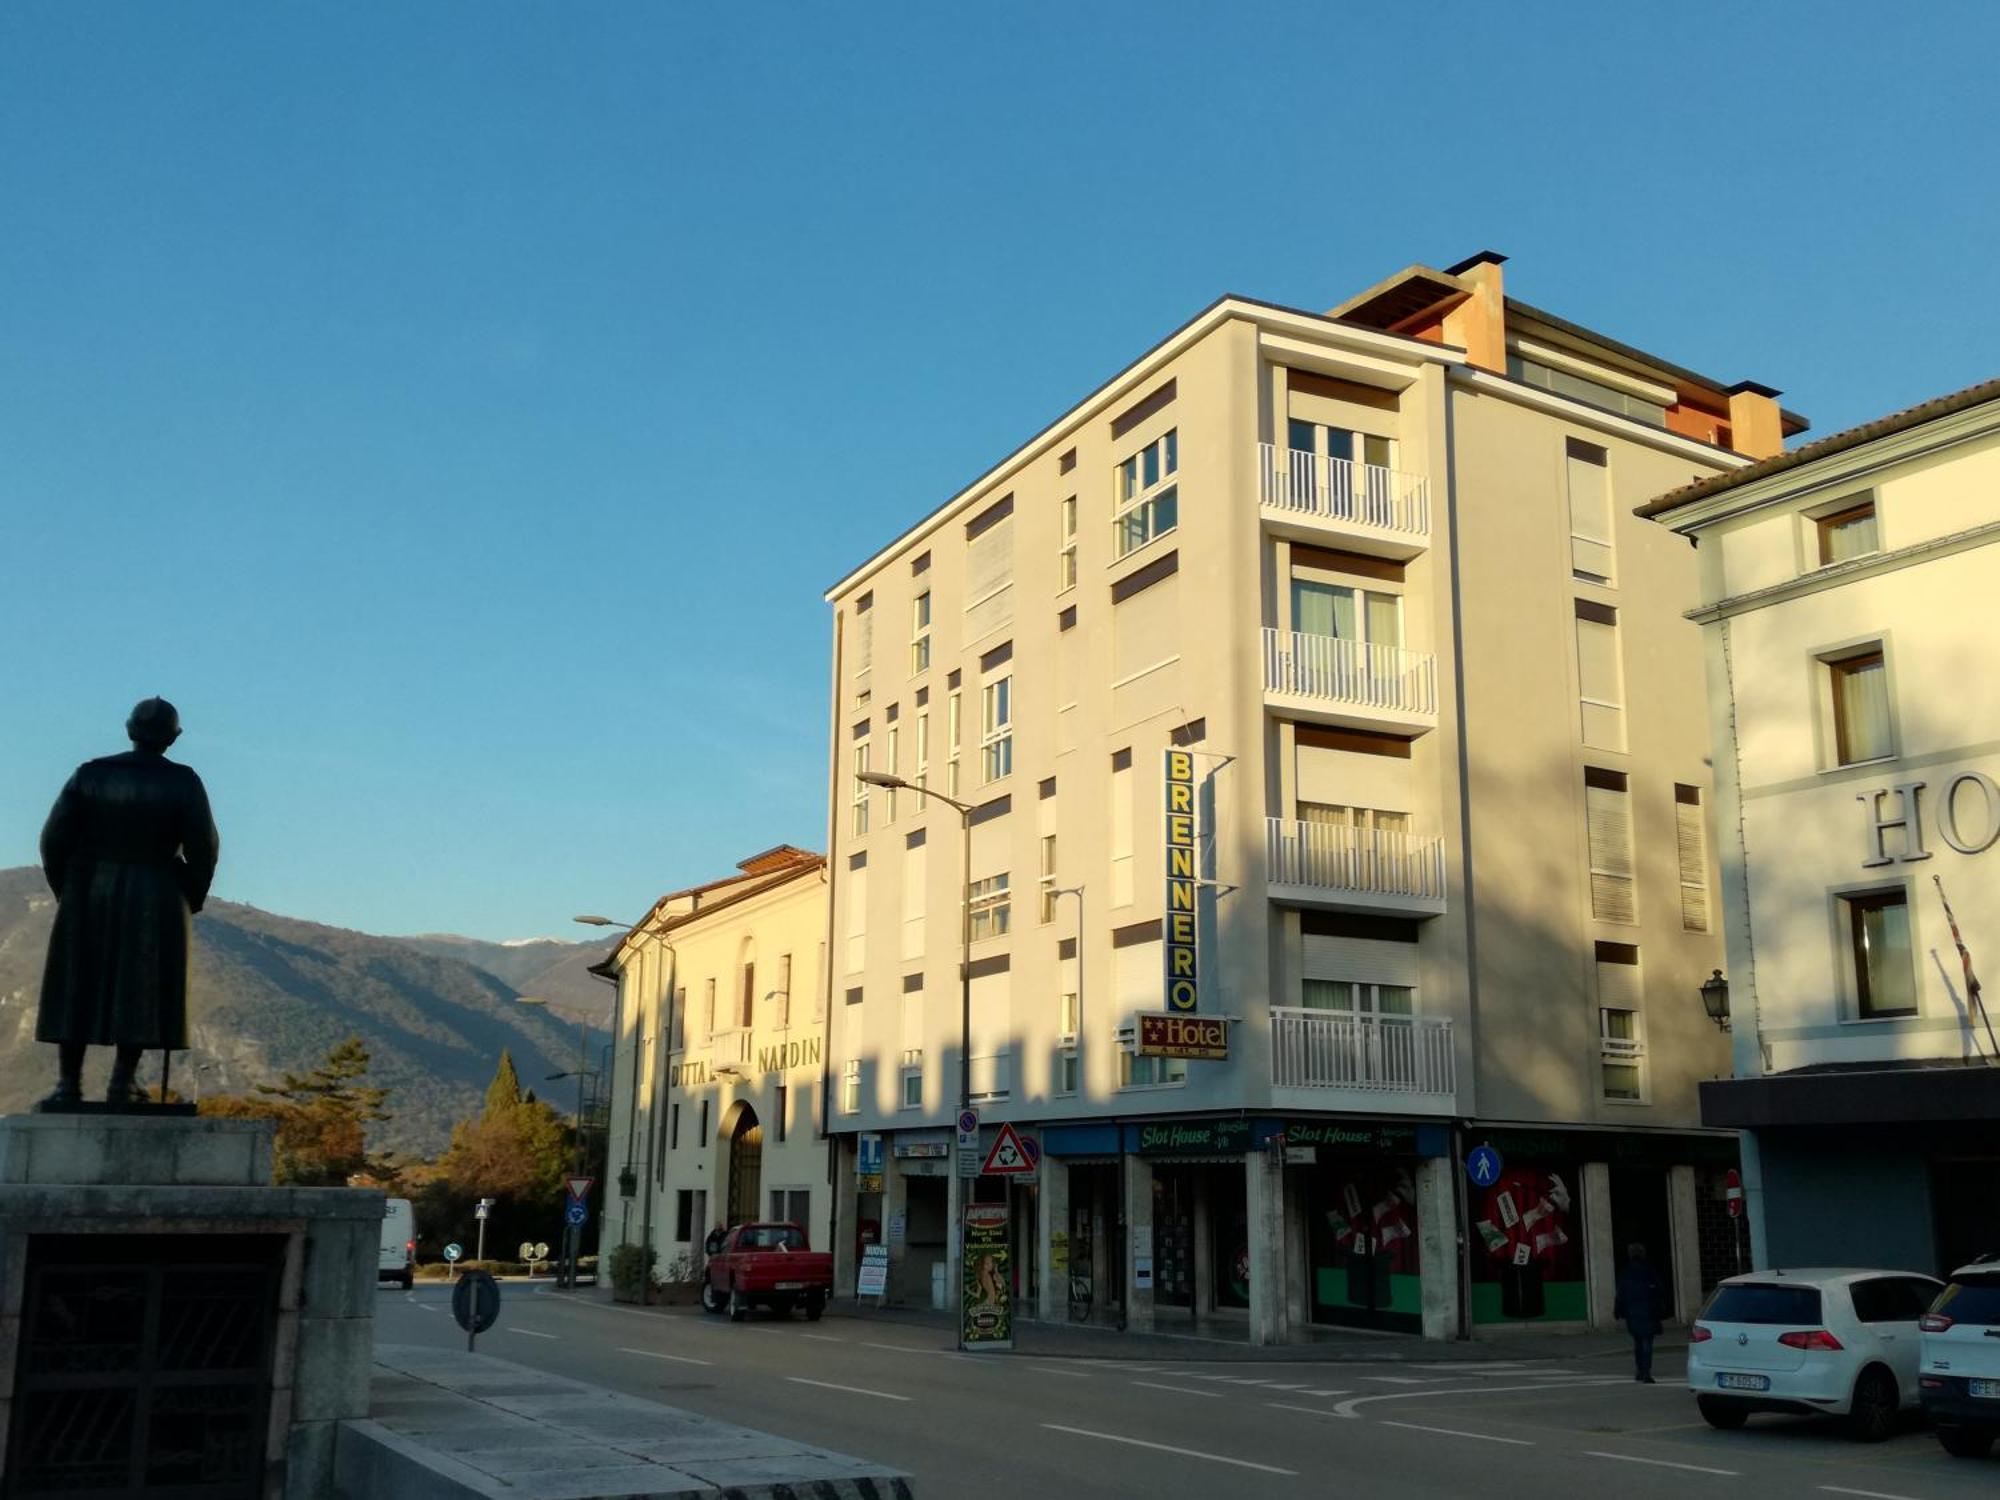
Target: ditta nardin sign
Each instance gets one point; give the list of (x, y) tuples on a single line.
[(1173, 1035), (1178, 948)]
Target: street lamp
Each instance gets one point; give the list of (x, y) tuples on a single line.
[(1715, 999), (572, 1234), (894, 783)]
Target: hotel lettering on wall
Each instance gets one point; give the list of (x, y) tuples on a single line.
[(1174, 1035), (1966, 816), (1177, 930)]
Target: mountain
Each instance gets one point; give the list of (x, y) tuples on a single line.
[(558, 972), (270, 993)]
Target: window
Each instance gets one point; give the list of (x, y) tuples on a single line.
[(1597, 676), (1596, 392), (920, 633), (708, 1007), (791, 1206), (1763, 1304), (921, 774), (820, 982), (1066, 557), (1355, 468), (703, 1141), (953, 718), (864, 634), (1620, 1042), (890, 744), (1046, 883), (861, 789), (678, 1041), (991, 908), (913, 1078), (674, 1128), (989, 570), (1346, 614), (1135, 1072), (857, 920), (1071, 1016), (1067, 1071), (1607, 809), (1848, 533), (784, 1110), (747, 1015), (1358, 999), (850, 1086), (1885, 980), (1861, 727), (992, 1077), (996, 728), (1121, 829), (1363, 821), (683, 1216), (783, 994), (1691, 844), (1145, 500), (1588, 475)]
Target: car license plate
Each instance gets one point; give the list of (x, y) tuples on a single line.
[(1987, 1388), (791, 1286), (1744, 1382)]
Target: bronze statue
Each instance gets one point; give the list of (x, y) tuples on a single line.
[(129, 850)]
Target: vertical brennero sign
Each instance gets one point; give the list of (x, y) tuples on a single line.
[(1178, 947)]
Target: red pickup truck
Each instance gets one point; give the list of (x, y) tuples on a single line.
[(769, 1264)]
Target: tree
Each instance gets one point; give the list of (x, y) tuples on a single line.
[(503, 1094), (322, 1120)]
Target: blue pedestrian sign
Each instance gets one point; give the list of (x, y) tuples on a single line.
[(577, 1214), (1484, 1166), (453, 1251)]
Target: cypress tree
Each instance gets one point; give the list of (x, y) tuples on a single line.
[(503, 1094)]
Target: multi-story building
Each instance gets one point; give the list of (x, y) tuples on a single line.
[(1376, 573), (1843, 597), (718, 1072)]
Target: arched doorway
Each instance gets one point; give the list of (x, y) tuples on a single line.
[(746, 1165)]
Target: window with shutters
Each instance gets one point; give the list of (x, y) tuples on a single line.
[(992, 1077), (861, 789), (920, 633), (850, 1087), (1587, 473), (1691, 845), (857, 920), (1607, 807), (1066, 554), (989, 578), (1121, 833), (1599, 679), (864, 634), (1620, 1037), (708, 1007)]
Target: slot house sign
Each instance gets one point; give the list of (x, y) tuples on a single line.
[(1183, 979), (1183, 1036)]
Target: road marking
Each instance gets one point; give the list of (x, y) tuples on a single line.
[(901, 1348), (1484, 1437), (1287, 1387), (1214, 1458), (855, 1390), (530, 1333), (1184, 1390), (823, 1338), (1661, 1463), (1871, 1494), (679, 1359), (1347, 1408), (1402, 1379), (1322, 1393), (1058, 1370)]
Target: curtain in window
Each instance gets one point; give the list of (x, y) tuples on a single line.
[(1862, 687), (1323, 609), (1885, 945)]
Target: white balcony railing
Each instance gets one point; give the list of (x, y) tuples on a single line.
[(1334, 671), (1334, 1049), (1339, 489), (1334, 858)]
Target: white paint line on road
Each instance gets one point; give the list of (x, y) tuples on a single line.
[(1347, 1408), (1304, 1411), (823, 1338), (1473, 1366), (1182, 1390), (1317, 1392), (901, 1348), (1662, 1463), (1058, 1370), (853, 1390), (1214, 1458), (679, 1359), (1286, 1388), (1484, 1437), (1837, 1489), (530, 1333), (1402, 1379)]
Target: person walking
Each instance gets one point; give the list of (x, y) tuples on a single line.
[(1639, 1302)]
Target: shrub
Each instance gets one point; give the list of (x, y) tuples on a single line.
[(631, 1270)]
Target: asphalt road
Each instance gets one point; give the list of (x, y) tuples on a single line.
[(1027, 1428)]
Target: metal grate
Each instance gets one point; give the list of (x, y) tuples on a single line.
[(144, 1366)]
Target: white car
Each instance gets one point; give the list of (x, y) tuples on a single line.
[(1844, 1342), (1961, 1361), (398, 1258)]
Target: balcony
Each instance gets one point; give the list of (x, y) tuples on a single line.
[(1324, 680), (1346, 869), (1338, 502), (1398, 1062)]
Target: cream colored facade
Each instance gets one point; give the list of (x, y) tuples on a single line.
[(1846, 597), (1399, 674), (719, 1067)]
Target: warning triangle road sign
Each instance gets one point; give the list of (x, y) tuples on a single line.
[(579, 1188), (1009, 1157)]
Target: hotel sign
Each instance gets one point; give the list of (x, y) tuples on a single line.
[(1173, 1035), (1966, 816), (1183, 970)]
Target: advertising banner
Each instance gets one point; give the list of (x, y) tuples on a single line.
[(988, 1314), (873, 1280), (1178, 947)]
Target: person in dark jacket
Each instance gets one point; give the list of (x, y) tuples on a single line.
[(130, 851), (1641, 1299)]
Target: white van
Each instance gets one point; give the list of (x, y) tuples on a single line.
[(398, 1261)]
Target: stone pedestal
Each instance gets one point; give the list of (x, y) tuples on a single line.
[(150, 1192)]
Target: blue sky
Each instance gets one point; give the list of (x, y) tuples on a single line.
[(460, 409)]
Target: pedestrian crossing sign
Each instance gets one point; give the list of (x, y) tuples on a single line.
[(1009, 1157)]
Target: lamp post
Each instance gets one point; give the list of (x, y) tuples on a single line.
[(1715, 999), (896, 783), (572, 1234)]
